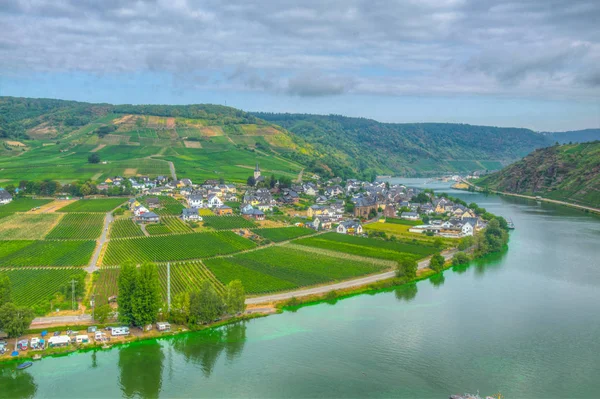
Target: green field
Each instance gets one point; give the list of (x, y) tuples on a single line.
[(86, 226), (175, 225), (94, 205), (23, 205), (157, 229), (105, 284), (168, 205), (403, 222), (278, 268), (174, 247), (27, 226), (278, 234), (45, 253), (369, 247), (187, 277), (123, 228), (32, 287), (228, 222)]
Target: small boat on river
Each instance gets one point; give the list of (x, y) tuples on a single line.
[(25, 365), (510, 224)]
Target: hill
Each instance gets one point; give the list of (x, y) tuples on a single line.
[(52, 139), (569, 172), (574, 136), (367, 146)]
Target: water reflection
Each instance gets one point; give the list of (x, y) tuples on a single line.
[(140, 367), (406, 292), (204, 349), (16, 384), (437, 280)]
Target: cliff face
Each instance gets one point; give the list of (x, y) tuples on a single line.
[(568, 172)]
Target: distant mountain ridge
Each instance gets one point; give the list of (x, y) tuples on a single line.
[(574, 136), (568, 172)]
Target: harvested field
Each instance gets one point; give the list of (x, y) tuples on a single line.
[(15, 143), (22, 226), (100, 146), (192, 144), (211, 131), (170, 123), (130, 172), (125, 119)]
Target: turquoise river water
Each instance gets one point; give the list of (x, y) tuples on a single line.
[(525, 323)]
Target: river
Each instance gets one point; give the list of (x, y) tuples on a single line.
[(525, 323)]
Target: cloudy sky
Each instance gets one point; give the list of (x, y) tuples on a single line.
[(530, 63)]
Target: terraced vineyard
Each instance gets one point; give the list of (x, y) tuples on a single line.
[(187, 277), (277, 268), (94, 205), (174, 247), (278, 234), (368, 247), (27, 226), (23, 205), (32, 287), (228, 222), (83, 226), (123, 228), (105, 284), (45, 253)]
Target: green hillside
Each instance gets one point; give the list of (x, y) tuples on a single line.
[(569, 172), (368, 146)]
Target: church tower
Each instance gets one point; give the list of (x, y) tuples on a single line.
[(256, 172)]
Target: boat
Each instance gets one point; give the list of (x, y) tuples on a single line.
[(510, 224), (25, 365)]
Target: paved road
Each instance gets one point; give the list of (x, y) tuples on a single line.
[(172, 167), (61, 319), (93, 263), (586, 208), (338, 286)]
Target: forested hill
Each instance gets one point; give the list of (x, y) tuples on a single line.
[(574, 136), (569, 172), (410, 149)]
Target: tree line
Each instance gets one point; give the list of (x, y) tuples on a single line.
[(14, 320), (75, 189)]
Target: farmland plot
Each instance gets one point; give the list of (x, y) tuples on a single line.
[(27, 226), (23, 205), (94, 205), (278, 234), (187, 277), (174, 247), (45, 253), (83, 226), (227, 222), (125, 228), (157, 229), (168, 206), (105, 285)]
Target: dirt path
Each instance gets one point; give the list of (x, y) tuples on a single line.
[(93, 266), (143, 228), (172, 168), (299, 180), (337, 286)]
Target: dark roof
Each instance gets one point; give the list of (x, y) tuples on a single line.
[(148, 215), (4, 194)]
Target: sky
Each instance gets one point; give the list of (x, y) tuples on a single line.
[(528, 63)]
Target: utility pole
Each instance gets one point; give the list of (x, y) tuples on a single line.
[(73, 282), (169, 287)]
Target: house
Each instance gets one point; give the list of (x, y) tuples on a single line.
[(321, 199), (322, 223), (191, 214), (186, 182), (140, 210), (214, 201), (310, 189), (467, 214), (410, 216), (153, 203), (223, 210), (315, 210), (195, 201), (350, 227), (148, 217), (5, 197), (364, 205), (252, 213), (333, 191), (389, 211)]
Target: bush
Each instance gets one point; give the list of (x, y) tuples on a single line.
[(460, 258)]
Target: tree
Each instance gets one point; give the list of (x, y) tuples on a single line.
[(127, 283), (94, 158), (101, 313), (438, 242), (205, 305), (465, 242), (460, 258), (14, 320), (235, 297), (180, 308), (10, 188), (425, 219), (372, 213), (421, 198), (272, 181), (407, 268), (146, 299), (5, 290), (251, 181), (437, 263)]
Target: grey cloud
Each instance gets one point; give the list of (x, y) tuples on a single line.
[(317, 85)]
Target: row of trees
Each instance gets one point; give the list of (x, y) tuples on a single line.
[(75, 189), (14, 320), (140, 301), (284, 182)]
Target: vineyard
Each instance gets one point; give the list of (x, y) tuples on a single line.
[(278, 234), (368, 247), (157, 229), (23, 205), (83, 226), (168, 205), (277, 268), (123, 228), (174, 247), (105, 285), (176, 225), (94, 205), (228, 222), (36, 287), (45, 253), (187, 277), (27, 226)]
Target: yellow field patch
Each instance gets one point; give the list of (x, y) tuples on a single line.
[(52, 206), (125, 119), (256, 130), (205, 212), (192, 144), (24, 226), (100, 146), (211, 131), (130, 172), (388, 228), (170, 123), (14, 143), (42, 130)]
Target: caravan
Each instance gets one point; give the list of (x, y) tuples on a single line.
[(119, 331)]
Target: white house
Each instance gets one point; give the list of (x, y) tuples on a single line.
[(214, 201), (410, 215), (350, 227), (5, 196), (467, 229), (140, 210), (191, 214), (195, 201)]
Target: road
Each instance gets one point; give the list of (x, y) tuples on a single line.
[(582, 207), (337, 286), (93, 263), (61, 320), (172, 168)]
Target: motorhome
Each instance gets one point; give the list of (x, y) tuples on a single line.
[(119, 331)]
